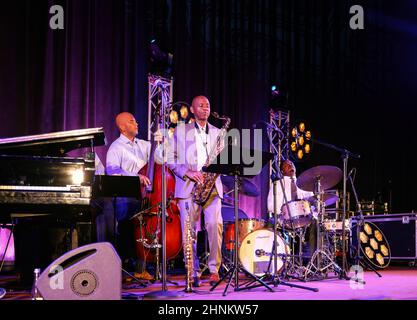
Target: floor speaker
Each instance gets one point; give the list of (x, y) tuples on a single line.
[(91, 272)]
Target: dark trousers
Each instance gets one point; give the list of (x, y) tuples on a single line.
[(117, 212)]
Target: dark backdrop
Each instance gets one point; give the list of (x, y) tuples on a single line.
[(354, 88)]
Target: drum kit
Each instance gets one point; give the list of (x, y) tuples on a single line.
[(256, 237)]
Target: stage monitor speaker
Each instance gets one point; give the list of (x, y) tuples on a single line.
[(91, 272)]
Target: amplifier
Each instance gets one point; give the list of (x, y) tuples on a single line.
[(400, 231)]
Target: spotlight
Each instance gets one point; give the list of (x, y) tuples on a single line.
[(374, 246), (184, 112), (278, 97), (180, 113), (173, 117), (275, 91), (300, 141), (160, 61)]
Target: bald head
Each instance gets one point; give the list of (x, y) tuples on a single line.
[(200, 107), (127, 125)]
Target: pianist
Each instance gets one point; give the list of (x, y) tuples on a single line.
[(126, 156)]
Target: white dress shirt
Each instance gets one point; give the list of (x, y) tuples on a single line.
[(301, 194), (202, 145), (127, 158)]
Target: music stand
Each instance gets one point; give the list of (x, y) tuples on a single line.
[(227, 164), (117, 187)]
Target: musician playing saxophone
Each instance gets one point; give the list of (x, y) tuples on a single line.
[(191, 147)]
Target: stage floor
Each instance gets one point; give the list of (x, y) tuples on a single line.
[(399, 283)]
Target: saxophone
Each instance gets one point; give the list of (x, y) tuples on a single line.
[(188, 252), (201, 192)]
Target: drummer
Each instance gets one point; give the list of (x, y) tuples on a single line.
[(292, 193)]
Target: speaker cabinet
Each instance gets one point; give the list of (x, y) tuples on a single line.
[(91, 272), (400, 231)]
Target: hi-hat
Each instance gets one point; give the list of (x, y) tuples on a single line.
[(246, 187), (329, 176)]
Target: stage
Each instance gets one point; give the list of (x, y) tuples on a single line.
[(396, 283)]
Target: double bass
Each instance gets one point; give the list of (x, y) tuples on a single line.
[(148, 226)]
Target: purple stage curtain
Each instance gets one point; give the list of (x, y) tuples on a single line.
[(354, 88), (76, 78)]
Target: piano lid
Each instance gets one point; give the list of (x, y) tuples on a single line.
[(53, 144)]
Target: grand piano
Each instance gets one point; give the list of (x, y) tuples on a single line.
[(37, 176), (45, 193)]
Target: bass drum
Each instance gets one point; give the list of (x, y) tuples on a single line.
[(245, 226), (256, 250)]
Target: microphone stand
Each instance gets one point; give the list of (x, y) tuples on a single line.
[(275, 279), (279, 177), (164, 293), (345, 156), (359, 223)]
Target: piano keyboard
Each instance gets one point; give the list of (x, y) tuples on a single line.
[(35, 188)]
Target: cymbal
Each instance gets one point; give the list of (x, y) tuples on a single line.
[(328, 199), (329, 177), (246, 187)]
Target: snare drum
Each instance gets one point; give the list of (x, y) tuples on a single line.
[(245, 227), (255, 252), (299, 214)]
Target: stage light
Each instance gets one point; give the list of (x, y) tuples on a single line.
[(367, 229), (179, 114), (378, 235), (300, 141), (363, 237), (294, 132), (380, 259), (384, 250), (184, 112), (160, 61), (369, 253), (374, 246), (173, 117)]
